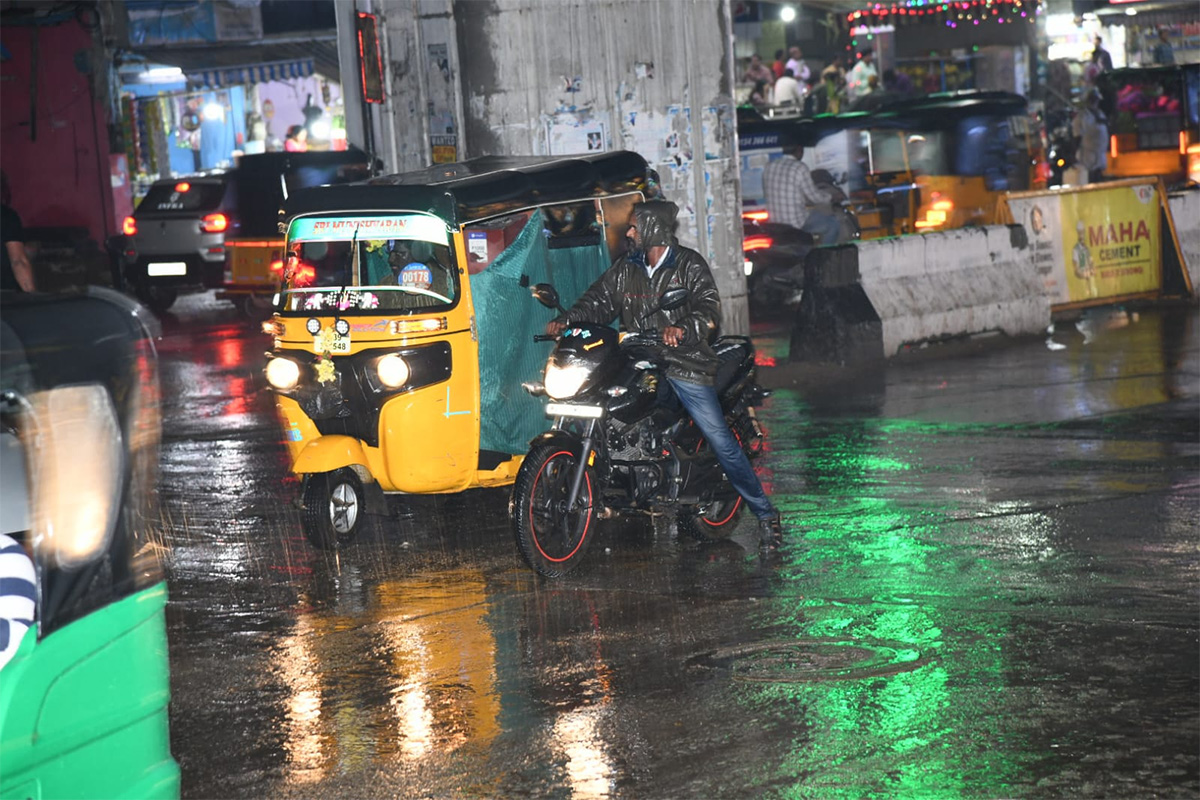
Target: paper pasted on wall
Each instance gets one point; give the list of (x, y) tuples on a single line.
[(659, 138), (573, 136)]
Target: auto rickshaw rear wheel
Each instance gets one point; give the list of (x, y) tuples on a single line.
[(157, 298), (334, 503)]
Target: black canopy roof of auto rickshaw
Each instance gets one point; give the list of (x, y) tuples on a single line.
[(483, 187), (925, 112)]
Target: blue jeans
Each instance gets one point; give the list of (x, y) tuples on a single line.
[(827, 225), (702, 403)]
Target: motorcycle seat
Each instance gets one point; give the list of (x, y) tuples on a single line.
[(732, 351)]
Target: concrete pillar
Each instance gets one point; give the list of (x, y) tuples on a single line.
[(467, 78)]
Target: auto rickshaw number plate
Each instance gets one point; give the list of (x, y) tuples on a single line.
[(330, 342)]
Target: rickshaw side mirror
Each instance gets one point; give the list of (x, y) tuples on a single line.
[(673, 299), (547, 295)]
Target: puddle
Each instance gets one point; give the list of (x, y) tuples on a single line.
[(804, 660)]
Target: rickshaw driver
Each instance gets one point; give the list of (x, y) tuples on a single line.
[(628, 290)]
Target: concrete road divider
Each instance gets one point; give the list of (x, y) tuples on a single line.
[(866, 300)]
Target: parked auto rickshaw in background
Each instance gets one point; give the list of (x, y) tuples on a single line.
[(404, 327), (965, 150), (84, 698), (254, 238), (1153, 122), (935, 162)]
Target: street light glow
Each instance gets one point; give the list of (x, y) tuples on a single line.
[(787, 13)]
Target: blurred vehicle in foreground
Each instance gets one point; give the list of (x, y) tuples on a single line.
[(83, 701)]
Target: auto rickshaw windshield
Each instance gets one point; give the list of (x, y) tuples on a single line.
[(396, 263)]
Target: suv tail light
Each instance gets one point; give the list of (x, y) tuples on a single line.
[(214, 223), (129, 226)]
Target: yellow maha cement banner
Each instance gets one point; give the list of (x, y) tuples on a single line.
[(1101, 242)]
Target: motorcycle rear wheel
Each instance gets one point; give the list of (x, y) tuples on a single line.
[(714, 522), (551, 538)]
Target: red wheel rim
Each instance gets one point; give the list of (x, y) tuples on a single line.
[(533, 493)]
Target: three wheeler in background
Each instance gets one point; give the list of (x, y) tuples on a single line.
[(1153, 122), (84, 699), (254, 239), (912, 164), (404, 325)]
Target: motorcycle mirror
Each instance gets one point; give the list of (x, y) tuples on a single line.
[(672, 299), (547, 295)]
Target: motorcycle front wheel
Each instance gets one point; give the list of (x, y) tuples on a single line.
[(713, 522), (551, 537)]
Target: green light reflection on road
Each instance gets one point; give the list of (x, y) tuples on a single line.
[(871, 569)]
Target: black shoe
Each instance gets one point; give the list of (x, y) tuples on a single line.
[(770, 532)]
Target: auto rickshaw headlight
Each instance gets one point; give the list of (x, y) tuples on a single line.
[(283, 373), (565, 382), (393, 371)]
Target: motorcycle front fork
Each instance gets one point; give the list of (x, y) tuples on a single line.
[(585, 453)]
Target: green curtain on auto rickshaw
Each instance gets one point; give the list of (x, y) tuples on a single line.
[(507, 318)]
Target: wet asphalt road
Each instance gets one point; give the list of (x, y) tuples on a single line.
[(988, 589)]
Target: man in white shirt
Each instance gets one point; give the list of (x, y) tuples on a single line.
[(796, 64), (858, 80), (789, 91)]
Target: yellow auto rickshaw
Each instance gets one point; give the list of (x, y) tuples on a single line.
[(404, 324), (262, 182), (964, 151)]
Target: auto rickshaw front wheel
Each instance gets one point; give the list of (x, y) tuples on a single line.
[(334, 503)]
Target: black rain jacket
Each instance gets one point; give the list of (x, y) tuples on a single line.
[(627, 291)]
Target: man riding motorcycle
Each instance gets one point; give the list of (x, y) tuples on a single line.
[(630, 289)]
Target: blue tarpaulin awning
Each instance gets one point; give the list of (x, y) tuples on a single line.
[(251, 73)]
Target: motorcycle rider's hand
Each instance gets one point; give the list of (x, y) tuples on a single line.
[(672, 336), (555, 326)]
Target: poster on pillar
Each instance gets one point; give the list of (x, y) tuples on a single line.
[(567, 134), (1094, 244)]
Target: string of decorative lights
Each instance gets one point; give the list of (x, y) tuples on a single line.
[(952, 13)]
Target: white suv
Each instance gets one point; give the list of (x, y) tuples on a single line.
[(176, 237)]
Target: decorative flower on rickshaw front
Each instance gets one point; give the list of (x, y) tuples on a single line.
[(326, 372)]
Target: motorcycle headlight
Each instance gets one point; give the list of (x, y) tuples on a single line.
[(563, 382), (393, 371), (283, 373)]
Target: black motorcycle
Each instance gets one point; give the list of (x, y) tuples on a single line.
[(621, 441), (774, 262), (775, 252)]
